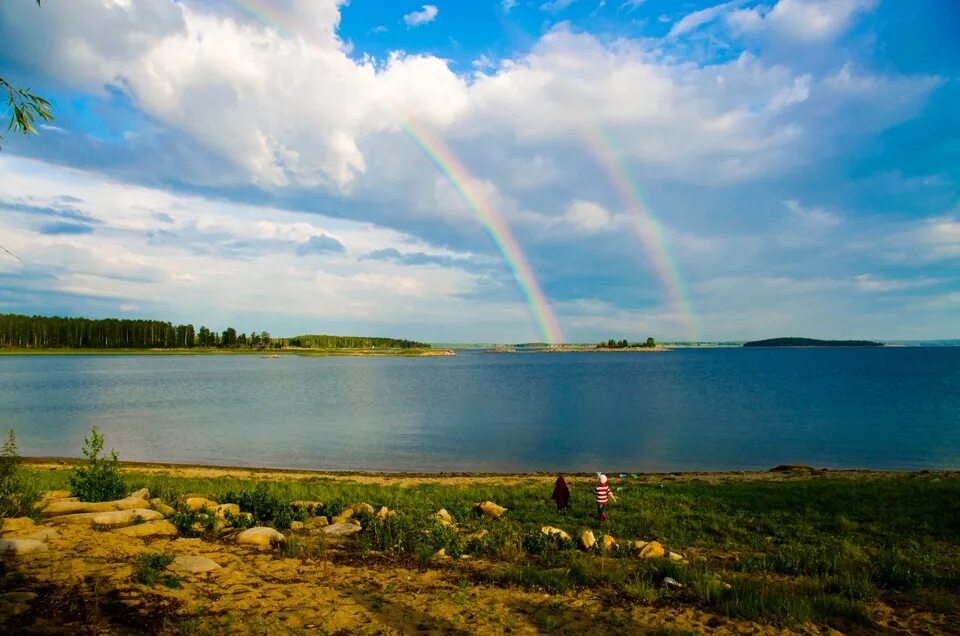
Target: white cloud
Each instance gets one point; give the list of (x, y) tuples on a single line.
[(695, 20), (871, 283), (801, 20), (588, 216), (424, 16), (812, 216), (508, 5), (632, 5)]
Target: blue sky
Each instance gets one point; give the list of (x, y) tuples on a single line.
[(245, 164)]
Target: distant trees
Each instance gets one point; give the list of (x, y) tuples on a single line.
[(54, 332), (624, 344)]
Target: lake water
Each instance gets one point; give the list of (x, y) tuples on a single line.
[(689, 409)]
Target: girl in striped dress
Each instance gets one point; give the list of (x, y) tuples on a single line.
[(603, 493)]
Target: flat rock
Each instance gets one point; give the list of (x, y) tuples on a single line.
[(125, 517), (550, 531), (587, 540), (143, 493), (341, 529), (42, 533), (162, 508), (637, 546), (317, 522), (193, 565), (652, 550), (16, 524), (57, 508), (56, 494), (675, 556), (156, 528), (260, 537), (296, 526), (18, 547), (200, 503), (130, 503), (80, 518), (490, 510)]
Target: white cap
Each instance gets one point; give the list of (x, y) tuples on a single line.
[(603, 479)]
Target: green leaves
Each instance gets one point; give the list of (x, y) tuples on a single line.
[(100, 478), (25, 108)]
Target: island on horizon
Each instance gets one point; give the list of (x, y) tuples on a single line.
[(810, 342)]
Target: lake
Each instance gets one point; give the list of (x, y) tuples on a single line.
[(689, 409)]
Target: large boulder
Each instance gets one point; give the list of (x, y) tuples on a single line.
[(443, 517), (19, 547), (200, 503), (156, 528), (130, 503), (78, 519), (261, 537), (489, 510), (652, 550), (609, 544), (16, 524), (550, 531), (125, 517), (587, 540), (193, 565), (341, 529)]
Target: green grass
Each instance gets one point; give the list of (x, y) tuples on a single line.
[(787, 552), (149, 569)]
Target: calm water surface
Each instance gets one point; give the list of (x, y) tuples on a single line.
[(711, 409)]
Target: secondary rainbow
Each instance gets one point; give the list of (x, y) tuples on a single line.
[(645, 224), (263, 12), (496, 225)]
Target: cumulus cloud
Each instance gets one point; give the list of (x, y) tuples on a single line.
[(424, 16), (806, 21), (320, 244)]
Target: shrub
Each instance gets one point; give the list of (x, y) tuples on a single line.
[(148, 568), (99, 479), (266, 507), (18, 495), (193, 523)]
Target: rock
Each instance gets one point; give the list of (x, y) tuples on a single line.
[(59, 508), (57, 494), (200, 503), (609, 544), (19, 547), (637, 546), (143, 493), (489, 510), (341, 529), (42, 533), (296, 526), (162, 508), (671, 584), (261, 537), (550, 531), (652, 550), (222, 510), (441, 554), (193, 565), (587, 540), (130, 503), (675, 556), (157, 528), (479, 535), (317, 522), (125, 517), (80, 518), (383, 513), (361, 507), (310, 507), (16, 524), (443, 517)]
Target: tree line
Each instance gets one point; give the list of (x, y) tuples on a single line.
[(623, 344), (55, 332)]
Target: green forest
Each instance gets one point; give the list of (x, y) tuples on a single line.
[(54, 332)]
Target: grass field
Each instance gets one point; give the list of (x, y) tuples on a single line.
[(822, 548)]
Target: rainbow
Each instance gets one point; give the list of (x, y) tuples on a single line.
[(645, 224), (496, 225), (261, 11)]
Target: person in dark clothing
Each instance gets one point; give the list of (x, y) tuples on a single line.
[(561, 494)]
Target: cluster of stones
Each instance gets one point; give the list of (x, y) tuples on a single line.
[(609, 545)]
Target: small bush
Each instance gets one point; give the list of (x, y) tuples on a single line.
[(18, 494), (148, 568), (193, 523), (99, 479), (266, 507)]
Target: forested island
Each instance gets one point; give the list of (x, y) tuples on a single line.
[(810, 342), (20, 332)]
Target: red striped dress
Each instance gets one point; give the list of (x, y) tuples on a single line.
[(603, 492)]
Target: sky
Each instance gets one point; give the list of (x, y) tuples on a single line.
[(489, 171)]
